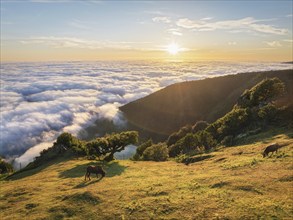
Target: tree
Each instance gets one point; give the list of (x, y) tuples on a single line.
[(141, 148), (206, 140), (199, 126), (174, 137), (232, 123), (5, 167), (262, 93), (157, 152), (65, 139), (97, 146), (117, 142), (175, 150), (69, 141), (267, 113)]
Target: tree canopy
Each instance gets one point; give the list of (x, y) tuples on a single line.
[(262, 93)]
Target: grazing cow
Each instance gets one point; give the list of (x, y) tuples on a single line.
[(271, 148), (94, 169)]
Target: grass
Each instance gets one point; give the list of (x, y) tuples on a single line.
[(235, 183)]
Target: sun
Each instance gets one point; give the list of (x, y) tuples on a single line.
[(173, 48)]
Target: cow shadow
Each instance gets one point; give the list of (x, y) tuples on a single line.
[(112, 169), (78, 170), (87, 183)]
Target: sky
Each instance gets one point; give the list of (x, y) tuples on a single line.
[(69, 30)]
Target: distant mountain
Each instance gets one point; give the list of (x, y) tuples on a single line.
[(166, 110)]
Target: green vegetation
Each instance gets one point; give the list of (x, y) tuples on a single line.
[(254, 112), (156, 152), (262, 93), (151, 152), (255, 109), (104, 146), (177, 105), (5, 167), (141, 148), (68, 146), (234, 183)]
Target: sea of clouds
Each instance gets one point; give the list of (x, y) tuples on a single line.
[(41, 100)]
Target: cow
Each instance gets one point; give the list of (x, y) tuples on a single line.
[(94, 169), (271, 148)]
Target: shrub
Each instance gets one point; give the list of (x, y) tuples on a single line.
[(186, 144), (157, 152), (230, 124), (227, 141), (267, 112), (80, 150), (181, 158), (175, 150), (141, 148), (5, 167), (199, 126), (65, 139), (176, 136), (192, 143), (206, 140), (262, 93)]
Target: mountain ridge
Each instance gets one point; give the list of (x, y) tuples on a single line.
[(168, 109)]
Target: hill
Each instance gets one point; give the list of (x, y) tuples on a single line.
[(165, 111), (234, 183)]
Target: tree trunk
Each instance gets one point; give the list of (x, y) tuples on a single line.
[(110, 157)]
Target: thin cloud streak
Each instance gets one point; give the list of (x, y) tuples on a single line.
[(166, 20), (71, 42), (248, 23), (273, 43)]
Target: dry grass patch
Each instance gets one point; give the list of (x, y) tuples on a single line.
[(229, 185)]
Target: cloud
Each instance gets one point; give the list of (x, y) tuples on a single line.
[(39, 101), (127, 153), (71, 42), (232, 43), (64, 42), (175, 31), (288, 40), (166, 20), (273, 43), (50, 1), (243, 24), (206, 18), (30, 154)]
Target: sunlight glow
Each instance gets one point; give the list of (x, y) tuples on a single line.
[(173, 48)]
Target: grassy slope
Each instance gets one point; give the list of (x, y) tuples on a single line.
[(236, 183), (169, 109)]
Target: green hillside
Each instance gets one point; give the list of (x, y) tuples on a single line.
[(234, 183), (167, 110)]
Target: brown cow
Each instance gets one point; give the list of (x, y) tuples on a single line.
[(94, 169), (271, 148)]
